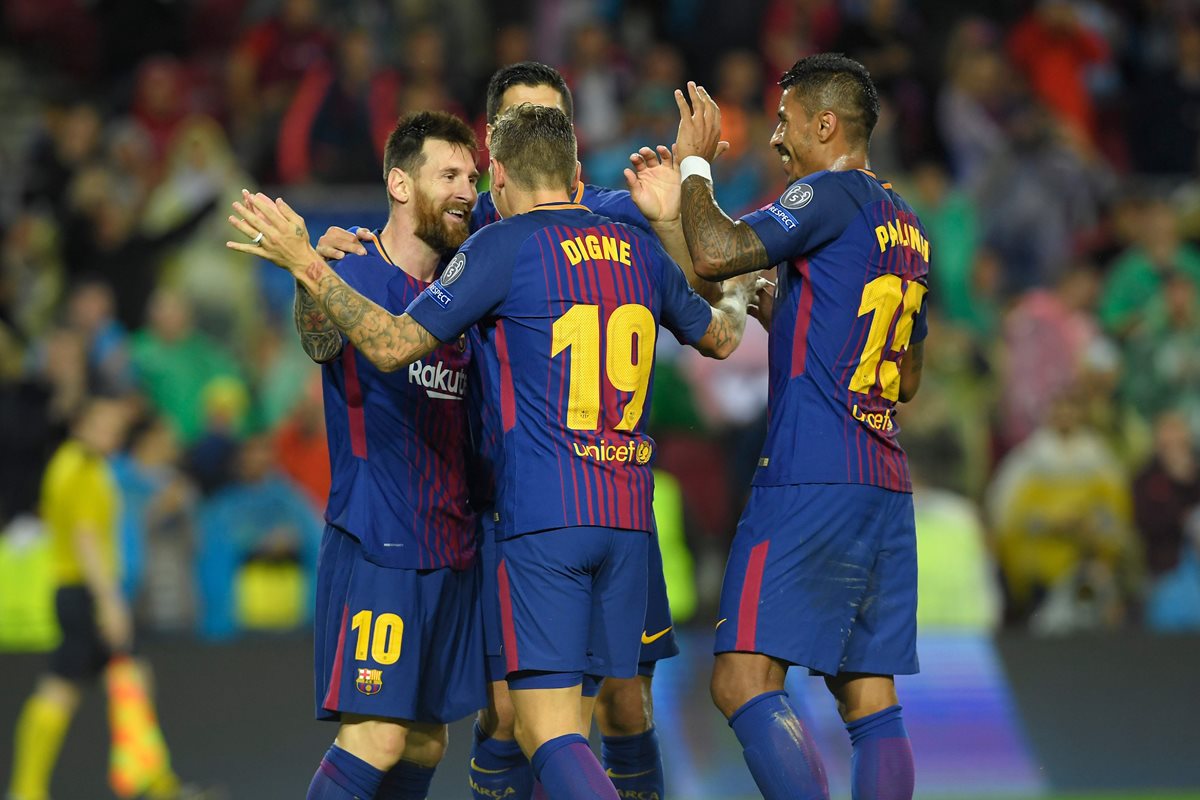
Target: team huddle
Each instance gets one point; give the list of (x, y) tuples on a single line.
[(488, 365)]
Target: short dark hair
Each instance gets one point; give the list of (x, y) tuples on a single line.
[(526, 73), (536, 144), (834, 81), (406, 143)]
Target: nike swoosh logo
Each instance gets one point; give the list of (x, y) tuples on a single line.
[(478, 768), (652, 639), (720, 623), (618, 776)]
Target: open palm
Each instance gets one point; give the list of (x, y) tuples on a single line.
[(654, 183)]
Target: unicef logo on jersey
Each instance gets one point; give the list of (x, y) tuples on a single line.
[(797, 197), (453, 270)]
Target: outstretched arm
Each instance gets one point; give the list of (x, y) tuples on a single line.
[(653, 182), (388, 341), (720, 247)]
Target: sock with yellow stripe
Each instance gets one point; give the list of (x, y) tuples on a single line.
[(39, 735), (634, 764), (498, 768)]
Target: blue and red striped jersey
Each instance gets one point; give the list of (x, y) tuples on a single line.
[(616, 204), (398, 442), (569, 304), (849, 299)]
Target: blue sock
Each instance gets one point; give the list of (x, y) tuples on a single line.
[(634, 763), (344, 776), (498, 768), (782, 758), (881, 766), (568, 769), (408, 780)]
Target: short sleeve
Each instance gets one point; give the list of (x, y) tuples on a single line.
[(808, 214), (472, 287), (684, 313)]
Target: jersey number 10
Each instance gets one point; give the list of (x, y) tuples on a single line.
[(630, 354), (882, 298)]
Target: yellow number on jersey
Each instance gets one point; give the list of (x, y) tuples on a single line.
[(881, 298), (630, 338), (383, 640)]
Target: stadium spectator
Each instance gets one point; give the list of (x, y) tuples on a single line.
[(1174, 599), (260, 516), (1045, 337), (1138, 274), (1060, 508), (1053, 48), (1165, 492), (173, 363)]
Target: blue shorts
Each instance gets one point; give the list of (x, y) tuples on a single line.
[(395, 643), (573, 600), (658, 633), (824, 576)]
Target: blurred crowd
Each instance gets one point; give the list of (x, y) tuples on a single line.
[(1052, 150)]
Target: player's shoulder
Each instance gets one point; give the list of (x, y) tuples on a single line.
[(374, 258), (616, 204)]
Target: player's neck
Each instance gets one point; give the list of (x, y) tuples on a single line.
[(846, 161), (521, 201), (408, 251)]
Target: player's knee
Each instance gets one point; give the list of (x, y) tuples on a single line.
[(378, 742), (498, 720), (732, 688), (624, 707), (426, 744)]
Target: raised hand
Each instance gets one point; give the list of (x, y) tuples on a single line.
[(699, 126), (337, 242), (654, 183), (276, 232)]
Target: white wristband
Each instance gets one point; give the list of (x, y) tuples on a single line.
[(695, 165)]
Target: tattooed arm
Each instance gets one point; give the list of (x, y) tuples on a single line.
[(389, 342), (319, 337), (724, 333), (720, 247)]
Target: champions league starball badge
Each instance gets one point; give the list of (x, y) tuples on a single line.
[(794, 198)]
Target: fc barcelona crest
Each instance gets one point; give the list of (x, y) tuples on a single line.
[(370, 681)]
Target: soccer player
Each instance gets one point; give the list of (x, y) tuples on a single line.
[(80, 504), (624, 708), (822, 571), (399, 643), (571, 303)]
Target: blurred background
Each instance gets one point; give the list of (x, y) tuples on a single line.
[(1050, 148)]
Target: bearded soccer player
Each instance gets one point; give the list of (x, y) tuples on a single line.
[(624, 708), (822, 571), (570, 302), (399, 647)]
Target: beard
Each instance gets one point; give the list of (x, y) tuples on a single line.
[(435, 229)]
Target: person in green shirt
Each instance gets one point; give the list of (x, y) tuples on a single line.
[(173, 363), (1137, 276)]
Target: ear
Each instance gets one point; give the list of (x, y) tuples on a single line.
[(487, 137), (827, 125), (578, 178), (499, 176), (399, 186)]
